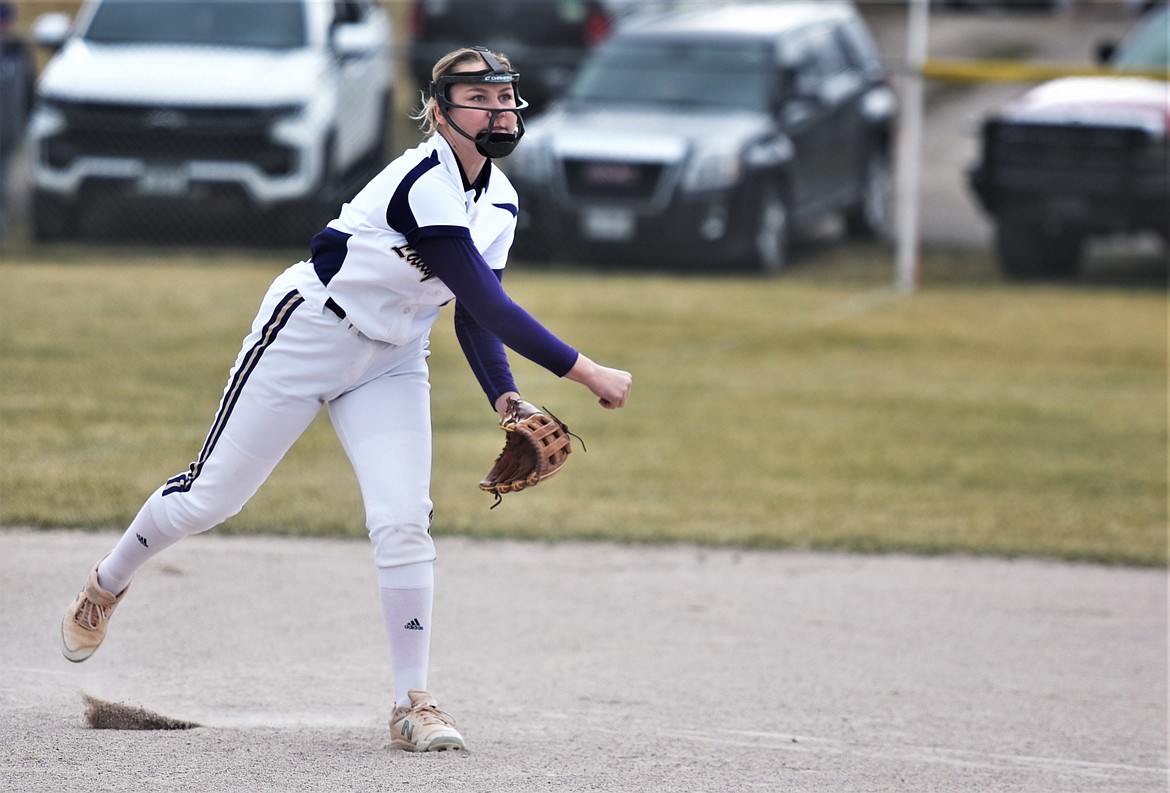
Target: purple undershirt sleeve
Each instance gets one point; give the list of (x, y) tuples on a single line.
[(485, 353), (486, 319)]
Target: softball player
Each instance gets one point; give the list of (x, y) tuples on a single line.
[(348, 329)]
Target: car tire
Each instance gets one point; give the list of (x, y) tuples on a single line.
[(869, 218), (1027, 251), (772, 231), (53, 220)]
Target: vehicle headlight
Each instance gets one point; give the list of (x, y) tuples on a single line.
[(47, 119), (285, 120), (712, 171), (301, 126)]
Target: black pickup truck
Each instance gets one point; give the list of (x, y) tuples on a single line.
[(1079, 157)]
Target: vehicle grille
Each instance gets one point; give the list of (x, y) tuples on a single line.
[(613, 180), (1057, 148), (168, 134)]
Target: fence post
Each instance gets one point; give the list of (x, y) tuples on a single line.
[(910, 146)]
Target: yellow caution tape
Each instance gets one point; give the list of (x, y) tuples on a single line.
[(983, 71)]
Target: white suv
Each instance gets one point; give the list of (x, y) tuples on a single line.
[(208, 106)]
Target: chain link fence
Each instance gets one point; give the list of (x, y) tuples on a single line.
[(269, 175)]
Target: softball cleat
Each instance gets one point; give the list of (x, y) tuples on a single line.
[(87, 620), (423, 727)]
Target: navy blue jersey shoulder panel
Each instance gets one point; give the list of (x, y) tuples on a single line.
[(328, 252), (399, 215), (462, 232)]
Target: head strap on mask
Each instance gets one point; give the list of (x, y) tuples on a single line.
[(488, 143)]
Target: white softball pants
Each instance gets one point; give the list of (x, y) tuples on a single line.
[(296, 359)]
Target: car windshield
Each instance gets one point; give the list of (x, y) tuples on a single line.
[(533, 22), (1149, 46), (271, 24), (694, 73)]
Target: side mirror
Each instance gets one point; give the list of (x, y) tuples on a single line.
[(801, 82), (1105, 50), (51, 30), (350, 40), (792, 89)]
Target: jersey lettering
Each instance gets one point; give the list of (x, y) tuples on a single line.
[(411, 257)]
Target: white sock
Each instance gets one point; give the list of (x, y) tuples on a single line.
[(407, 594), (137, 546)]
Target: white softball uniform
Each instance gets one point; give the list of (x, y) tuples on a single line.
[(349, 329)]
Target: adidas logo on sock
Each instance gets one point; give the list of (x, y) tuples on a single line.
[(141, 539), (413, 625)]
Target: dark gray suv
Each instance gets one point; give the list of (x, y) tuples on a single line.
[(709, 137)]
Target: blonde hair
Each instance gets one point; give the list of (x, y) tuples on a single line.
[(428, 111)]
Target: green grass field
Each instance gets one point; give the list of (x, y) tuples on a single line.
[(816, 410)]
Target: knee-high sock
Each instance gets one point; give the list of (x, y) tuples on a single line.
[(407, 595), (137, 546)]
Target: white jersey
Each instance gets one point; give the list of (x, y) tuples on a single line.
[(364, 260)]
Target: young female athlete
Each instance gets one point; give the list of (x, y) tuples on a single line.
[(348, 329)]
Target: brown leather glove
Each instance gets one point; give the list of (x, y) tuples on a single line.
[(536, 446)]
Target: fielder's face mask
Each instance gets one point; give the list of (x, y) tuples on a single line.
[(490, 144)]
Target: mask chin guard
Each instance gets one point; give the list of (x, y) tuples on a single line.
[(490, 144)]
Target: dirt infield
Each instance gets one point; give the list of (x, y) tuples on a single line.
[(579, 667)]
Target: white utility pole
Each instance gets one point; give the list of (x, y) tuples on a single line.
[(910, 146)]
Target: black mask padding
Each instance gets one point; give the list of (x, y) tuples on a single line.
[(492, 145)]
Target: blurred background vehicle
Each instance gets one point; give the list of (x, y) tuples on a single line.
[(17, 79), (1080, 157), (251, 112), (545, 39), (710, 136), (948, 215), (1004, 5)]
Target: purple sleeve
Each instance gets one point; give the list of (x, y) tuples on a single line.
[(456, 262), (485, 353)]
